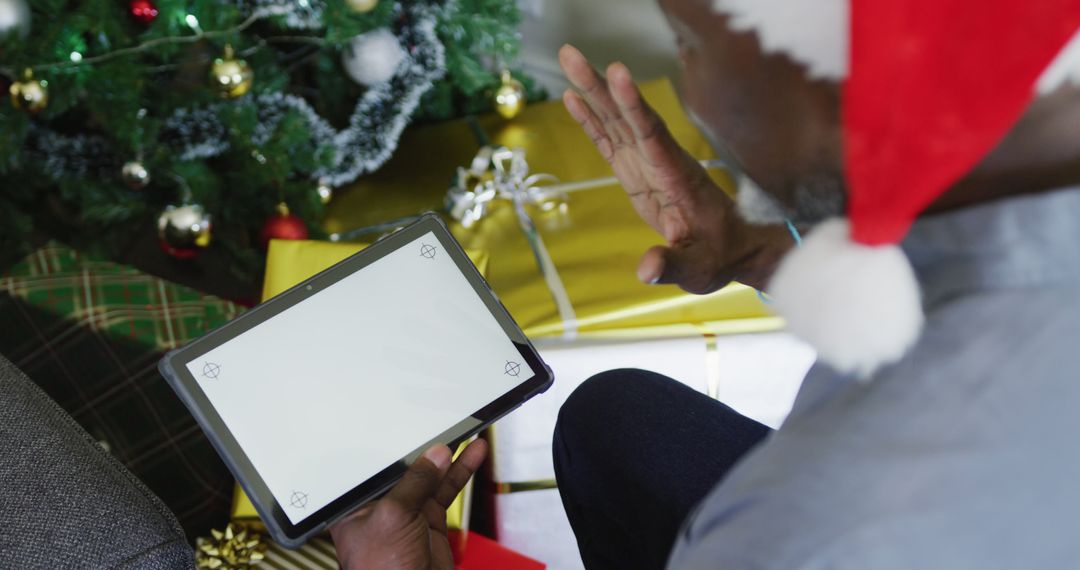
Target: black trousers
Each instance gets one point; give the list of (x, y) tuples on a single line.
[(634, 453)]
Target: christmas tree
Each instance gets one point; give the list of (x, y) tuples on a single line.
[(223, 122)]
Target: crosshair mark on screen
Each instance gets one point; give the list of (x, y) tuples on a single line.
[(428, 251), (299, 499), (512, 368), (211, 370)]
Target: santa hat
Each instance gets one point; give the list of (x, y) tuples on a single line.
[(929, 88)]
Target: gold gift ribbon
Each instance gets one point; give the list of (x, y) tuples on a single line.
[(523, 486), (235, 547)]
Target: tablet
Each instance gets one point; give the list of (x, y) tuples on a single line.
[(319, 398)]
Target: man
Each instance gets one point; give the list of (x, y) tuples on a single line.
[(955, 452), (957, 456), (949, 448)]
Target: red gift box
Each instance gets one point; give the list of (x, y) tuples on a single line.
[(477, 552)]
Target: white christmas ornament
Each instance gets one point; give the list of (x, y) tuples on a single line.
[(373, 58), (14, 18), (859, 306)]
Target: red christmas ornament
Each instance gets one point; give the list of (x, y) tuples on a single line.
[(178, 252), (144, 11), (282, 225)]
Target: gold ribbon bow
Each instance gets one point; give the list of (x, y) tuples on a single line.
[(234, 548)]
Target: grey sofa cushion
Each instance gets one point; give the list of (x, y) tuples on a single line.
[(65, 502)]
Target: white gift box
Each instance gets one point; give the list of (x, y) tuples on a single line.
[(756, 374), (534, 524)]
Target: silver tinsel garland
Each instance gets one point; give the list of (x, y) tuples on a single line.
[(375, 126)]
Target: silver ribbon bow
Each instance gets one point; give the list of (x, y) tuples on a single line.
[(500, 174), (503, 173)]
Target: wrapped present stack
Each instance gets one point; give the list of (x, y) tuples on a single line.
[(90, 333), (562, 244), (558, 241)]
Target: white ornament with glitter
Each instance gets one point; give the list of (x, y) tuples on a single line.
[(373, 58)]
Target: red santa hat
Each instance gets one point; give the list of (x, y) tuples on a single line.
[(929, 88)]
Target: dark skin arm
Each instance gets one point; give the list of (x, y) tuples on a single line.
[(708, 245), (406, 529)]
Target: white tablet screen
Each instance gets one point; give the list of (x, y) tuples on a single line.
[(333, 390)]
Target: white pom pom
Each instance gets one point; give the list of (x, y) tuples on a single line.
[(858, 305), (373, 58)]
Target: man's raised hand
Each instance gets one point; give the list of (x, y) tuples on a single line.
[(707, 245)]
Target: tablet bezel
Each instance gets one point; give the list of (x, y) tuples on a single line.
[(173, 367)]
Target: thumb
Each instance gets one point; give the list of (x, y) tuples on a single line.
[(422, 479), (679, 265)]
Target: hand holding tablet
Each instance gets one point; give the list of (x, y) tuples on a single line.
[(320, 398), (407, 527)]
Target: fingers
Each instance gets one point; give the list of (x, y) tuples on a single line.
[(581, 113), (651, 266), (648, 129), (442, 556), (578, 70), (422, 479), (458, 476), (596, 93), (677, 265), (435, 515)]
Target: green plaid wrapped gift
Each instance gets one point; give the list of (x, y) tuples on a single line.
[(90, 333)]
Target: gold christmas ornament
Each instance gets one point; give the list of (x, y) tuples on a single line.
[(361, 6), (135, 174), (232, 77), (30, 94), (326, 192), (510, 97), (235, 548), (184, 230)]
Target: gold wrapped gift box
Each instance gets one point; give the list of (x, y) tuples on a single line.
[(596, 244), (289, 263)]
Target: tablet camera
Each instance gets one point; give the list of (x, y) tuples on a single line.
[(298, 499), (512, 368), (427, 251), (211, 370)]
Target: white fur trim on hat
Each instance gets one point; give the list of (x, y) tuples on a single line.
[(1065, 70), (815, 34), (858, 305)]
